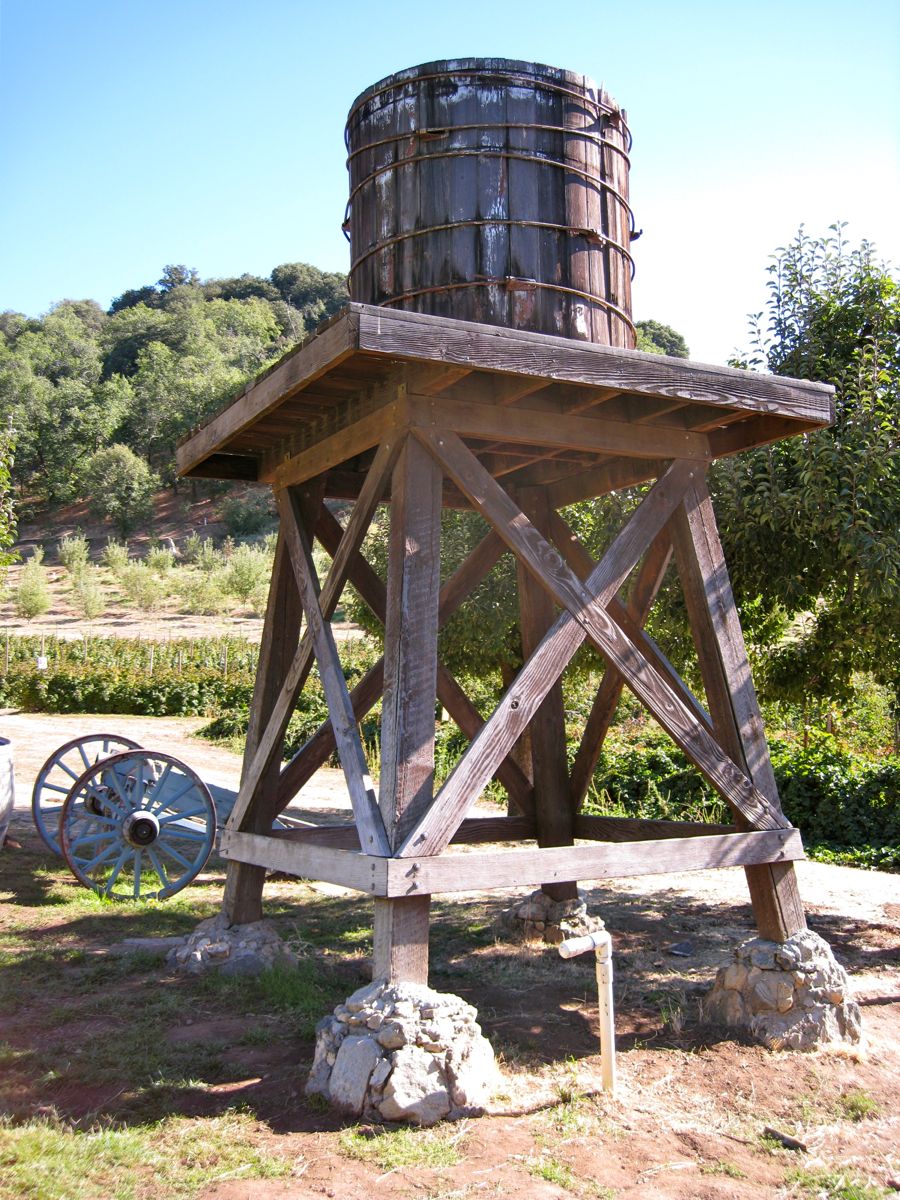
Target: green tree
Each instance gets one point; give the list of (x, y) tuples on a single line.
[(812, 523), (121, 487), (656, 338)]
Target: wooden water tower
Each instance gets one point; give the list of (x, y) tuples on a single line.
[(486, 361)]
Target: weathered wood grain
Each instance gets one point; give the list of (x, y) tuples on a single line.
[(473, 870), (400, 939), (547, 728), (646, 586), (410, 641), (505, 726), (369, 823), (715, 626), (589, 611), (363, 872), (295, 676)]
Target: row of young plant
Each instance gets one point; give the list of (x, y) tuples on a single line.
[(846, 804), (202, 580)]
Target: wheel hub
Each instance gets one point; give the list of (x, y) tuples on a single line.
[(140, 829)]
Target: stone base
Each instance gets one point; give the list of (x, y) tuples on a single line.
[(789, 996), (539, 918), (216, 945), (402, 1052)]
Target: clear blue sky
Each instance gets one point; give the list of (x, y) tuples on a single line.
[(137, 133)]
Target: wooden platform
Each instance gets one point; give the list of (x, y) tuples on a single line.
[(424, 411), (617, 415)]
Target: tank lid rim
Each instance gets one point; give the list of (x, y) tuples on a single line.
[(513, 66)]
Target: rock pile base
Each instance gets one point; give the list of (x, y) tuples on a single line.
[(788, 995), (539, 918), (402, 1052), (216, 945)]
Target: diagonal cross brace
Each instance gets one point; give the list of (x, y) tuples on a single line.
[(273, 738), (584, 607), (555, 650), (369, 824)]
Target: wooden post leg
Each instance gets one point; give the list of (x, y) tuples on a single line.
[(547, 729), (400, 940), (406, 787), (242, 902), (733, 706)]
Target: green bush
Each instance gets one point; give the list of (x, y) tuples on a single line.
[(32, 596), (201, 595), (87, 594), (74, 553), (160, 560), (247, 515), (122, 487), (115, 556), (247, 573), (142, 587)]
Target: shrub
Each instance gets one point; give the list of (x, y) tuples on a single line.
[(115, 556), (32, 596), (191, 547), (247, 515), (87, 595), (247, 572), (208, 557), (74, 552), (160, 560), (144, 589), (201, 595)]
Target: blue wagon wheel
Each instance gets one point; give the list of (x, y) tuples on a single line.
[(138, 826), (61, 770)]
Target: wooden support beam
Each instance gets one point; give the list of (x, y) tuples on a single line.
[(346, 443), (533, 428), (400, 936), (410, 642), (588, 610), (646, 586), (269, 748), (719, 642), (372, 835), (547, 728), (417, 878), (603, 479), (467, 577), (543, 668), (242, 901)]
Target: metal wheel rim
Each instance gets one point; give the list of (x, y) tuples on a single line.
[(61, 772), (102, 809)]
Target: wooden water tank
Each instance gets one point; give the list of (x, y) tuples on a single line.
[(493, 190)]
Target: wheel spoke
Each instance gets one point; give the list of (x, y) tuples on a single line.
[(101, 858), (90, 839), (183, 816), (120, 863), (182, 834), (84, 758), (159, 868), (179, 858), (57, 787), (113, 777), (168, 801)]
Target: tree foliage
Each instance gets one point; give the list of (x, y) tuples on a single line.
[(812, 523), (164, 357), (656, 338)]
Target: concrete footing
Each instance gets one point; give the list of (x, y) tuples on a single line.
[(788, 995), (402, 1052)]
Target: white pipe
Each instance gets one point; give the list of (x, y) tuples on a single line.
[(601, 943)]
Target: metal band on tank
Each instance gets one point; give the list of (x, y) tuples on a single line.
[(446, 130), (515, 77), (479, 153), (510, 283), (573, 230)]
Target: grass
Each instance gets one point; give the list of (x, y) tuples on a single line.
[(555, 1171), (722, 1167), (51, 1160), (857, 1105), (390, 1149), (832, 1185)]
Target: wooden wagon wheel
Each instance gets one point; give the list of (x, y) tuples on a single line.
[(138, 825), (61, 770)]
